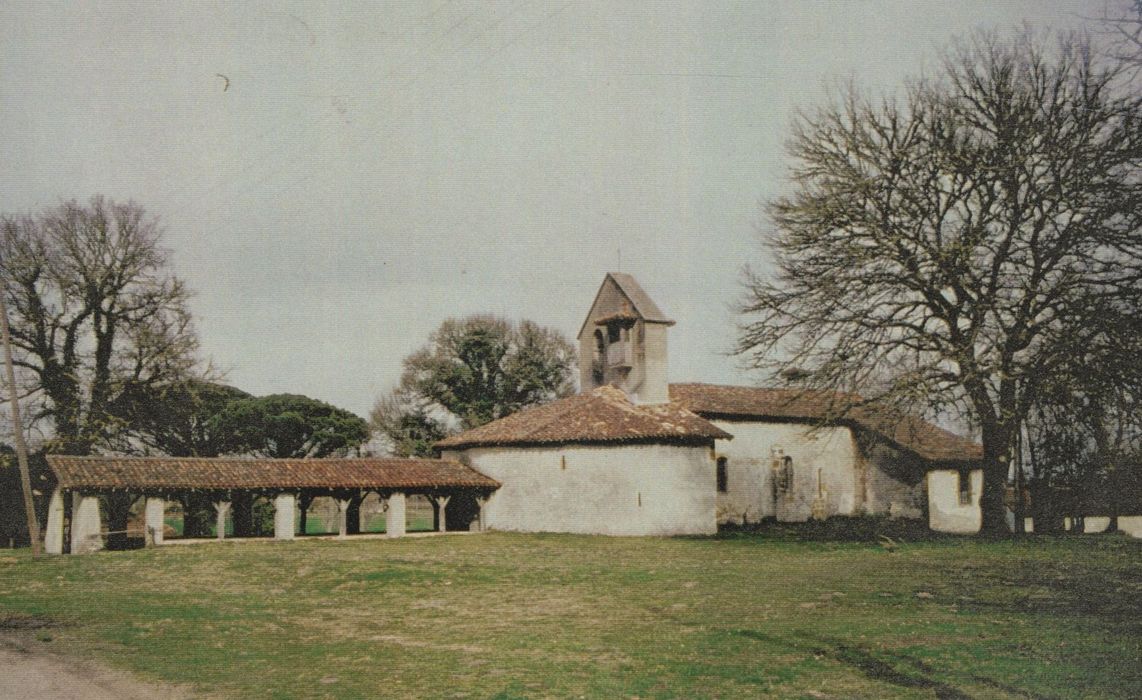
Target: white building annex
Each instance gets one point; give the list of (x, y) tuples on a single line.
[(634, 455)]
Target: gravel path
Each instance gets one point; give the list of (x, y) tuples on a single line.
[(28, 671)]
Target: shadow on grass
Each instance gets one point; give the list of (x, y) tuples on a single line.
[(888, 667), (20, 621), (865, 528)]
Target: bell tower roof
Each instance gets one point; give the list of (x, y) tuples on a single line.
[(622, 342), (621, 297)]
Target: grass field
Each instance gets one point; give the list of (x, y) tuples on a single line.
[(502, 615)]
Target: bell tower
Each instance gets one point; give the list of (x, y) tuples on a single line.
[(623, 342)]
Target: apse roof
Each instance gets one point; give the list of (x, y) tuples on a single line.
[(604, 415)]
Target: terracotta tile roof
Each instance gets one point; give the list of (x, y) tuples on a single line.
[(604, 415), (919, 436), (238, 473), (929, 441), (757, 402), (642, 303)]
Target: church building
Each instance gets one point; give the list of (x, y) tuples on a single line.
[(632, 454)]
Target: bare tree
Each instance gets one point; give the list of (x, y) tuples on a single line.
[(1086, 430), (968, 237), (94, 310), (1121, 23)]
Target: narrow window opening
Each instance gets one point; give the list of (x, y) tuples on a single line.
[(722, 476), (785, 480), (965, 488), (598, 357)]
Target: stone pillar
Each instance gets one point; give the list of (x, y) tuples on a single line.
[(86, 528), (441, 503), (394, 517), (481, 501), (343, 517), (285, 509), (153, 520), (53, 536), (221, 508)]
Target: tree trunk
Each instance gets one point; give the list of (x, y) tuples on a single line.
[(992, 508), (1111, 501), (996, 444), (1018, 509)]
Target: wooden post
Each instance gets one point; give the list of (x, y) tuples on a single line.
[(18, 429), (441, 503)]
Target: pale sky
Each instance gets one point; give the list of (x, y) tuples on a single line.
[(373, 169)]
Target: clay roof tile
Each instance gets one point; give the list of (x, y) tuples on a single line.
[(242, 473), (604, 415), (909, 432)]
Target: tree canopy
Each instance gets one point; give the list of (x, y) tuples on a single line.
[(176, 418), (961, 244), (1085, 431), (286, 426), (472, 371), (94, 309)]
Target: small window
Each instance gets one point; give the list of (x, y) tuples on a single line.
[(965, 488), (722, 478)]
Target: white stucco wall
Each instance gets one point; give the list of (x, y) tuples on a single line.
[(749, 474), (880, 482), (610, 490), (653, 387), (945, 513)]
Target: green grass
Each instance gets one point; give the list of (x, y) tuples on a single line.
[(507, 616)]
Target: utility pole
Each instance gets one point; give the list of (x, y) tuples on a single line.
[(18, 427)]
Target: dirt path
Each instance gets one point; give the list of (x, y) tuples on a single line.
[(29, 671)]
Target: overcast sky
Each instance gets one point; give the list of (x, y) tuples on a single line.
[(364, 171)]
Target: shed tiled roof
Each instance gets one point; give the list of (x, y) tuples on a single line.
[(604, 415), (757, 402), (909, 432), (230, 473)]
